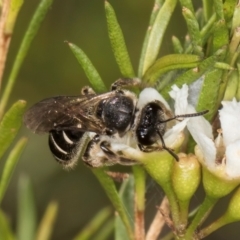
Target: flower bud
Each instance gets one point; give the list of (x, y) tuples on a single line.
[(233, 210), (186, 176)]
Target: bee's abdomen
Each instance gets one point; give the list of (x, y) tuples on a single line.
[(64, 145)]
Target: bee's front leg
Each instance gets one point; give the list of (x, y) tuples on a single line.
[(125, 82)]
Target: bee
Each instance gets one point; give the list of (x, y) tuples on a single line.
[(118, 116), (68, 118)]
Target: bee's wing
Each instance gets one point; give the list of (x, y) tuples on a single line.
[(64, 112)]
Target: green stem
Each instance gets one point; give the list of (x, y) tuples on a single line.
[(173, 203), (201, 215), (223, 220), (183, 212)]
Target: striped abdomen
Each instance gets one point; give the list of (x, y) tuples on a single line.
[(64, 145)]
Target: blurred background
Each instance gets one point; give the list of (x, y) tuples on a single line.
[(50, 69)]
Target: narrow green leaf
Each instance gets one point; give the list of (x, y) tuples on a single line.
[(207, 9), (193, 30), (127, 196), (232, 86), (220, 35), (15, 6), (200, 17), (105, 231), (93, 226), (209, 93), (23, 50), (208, 28), (118, 43), (229, 6), (90, 71), (10, 125), (157, 33), (111, 191), (168, 63), (177, 46), (223, 66), (5, 229), (9, 167), (188, 4), (233, 46), (46, 226), (191, 75), (218, 6), (236, 18), (26, 222), (156, 8)]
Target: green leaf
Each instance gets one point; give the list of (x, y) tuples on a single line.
[(11, 162), (90, 71), (191, 75), (188, 4), (5, 229), (111, 191), (127, 196), (46, 226), (26, 222), (31, 32), (10, 125), (105, 231), (156, 8), (168, 63), (229, 7), (236, 18), (232, 86), (177, 46), (93, 226), (218, 6), (193, 30), (220, 35), (207, 9), (156, 35), (118, 43)]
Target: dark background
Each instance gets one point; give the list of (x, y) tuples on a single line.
[(50, 69)]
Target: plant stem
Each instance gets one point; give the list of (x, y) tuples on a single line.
[(4, 38), (140, 177), (201, 215)]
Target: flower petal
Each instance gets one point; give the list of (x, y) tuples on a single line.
[(233, 159), (180, 96), (230, 117)]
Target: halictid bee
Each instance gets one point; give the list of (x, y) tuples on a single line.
[(117, 116)]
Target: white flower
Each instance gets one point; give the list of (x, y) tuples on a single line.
[(221, 156)]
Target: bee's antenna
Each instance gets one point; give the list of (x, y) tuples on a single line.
[(186, 116)]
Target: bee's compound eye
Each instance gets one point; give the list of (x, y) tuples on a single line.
[(118, 113)]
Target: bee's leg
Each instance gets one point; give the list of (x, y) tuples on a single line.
[(117, 176), (115, 157), (85, 91), (144, 148), (125, 82), (92, 156), (166, 148)]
